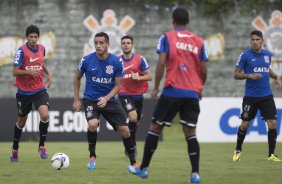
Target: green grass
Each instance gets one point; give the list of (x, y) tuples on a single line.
[(170, 164)]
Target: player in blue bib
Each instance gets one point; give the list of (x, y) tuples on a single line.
[(255, 63), (104, 73)]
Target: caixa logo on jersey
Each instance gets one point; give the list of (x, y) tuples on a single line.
[(227, 124), (108, 25)]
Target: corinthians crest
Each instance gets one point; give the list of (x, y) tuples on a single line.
[(272, 33), (109, 24)]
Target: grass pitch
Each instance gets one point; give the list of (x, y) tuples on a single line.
[(170, 164)]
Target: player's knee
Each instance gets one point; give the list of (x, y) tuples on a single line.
[(189, 131), (133, 119), (244, 125), (93, 125), (271, 124), (156, 127), (21, 121), (44, 117), (132, 116), (124, 131)]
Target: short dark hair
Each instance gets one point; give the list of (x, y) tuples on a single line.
[(181, 16), (127, 37), (32, 29), (103, 34), (257, 33)]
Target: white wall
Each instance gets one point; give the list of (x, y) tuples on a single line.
[(219, 121)]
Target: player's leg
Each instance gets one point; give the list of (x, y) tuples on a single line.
[(41, 102), (193, 152), (116, 117), (151, 144), (92, 140), (24, 106), (127, 142), (164, 113), (249, 111), (241, 134), (138, 103), (132, 125), (128, 103), (92, 117), (18, 128), (189, 113), (272, 136), (268, 112)]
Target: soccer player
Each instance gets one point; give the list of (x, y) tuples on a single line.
[(255, 63), (29, 71), (135, 83), (183, 55), (104, 73)]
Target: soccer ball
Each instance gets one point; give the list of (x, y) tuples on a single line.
[(60, 161)]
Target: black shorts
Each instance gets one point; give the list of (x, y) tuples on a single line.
[(168, 107), (112, 112), (24, 102), (251, 105), (132, 104)]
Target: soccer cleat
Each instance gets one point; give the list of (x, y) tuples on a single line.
[(195, 178), (42, 152), (237, 155), (131, 168), (91, 164), (274, 158), (135, 169), (14, 156)]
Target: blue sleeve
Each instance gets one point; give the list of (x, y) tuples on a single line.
[(204, 54), (163, 45), (19, 55), (241, 61), (144, 64), (119, 68), (81, 67)]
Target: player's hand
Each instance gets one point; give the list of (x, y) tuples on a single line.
[(278, 83), (76, 105), (49, 80), (34, 72), (135, 76), (254, 76), (102, 102), (154, 94)]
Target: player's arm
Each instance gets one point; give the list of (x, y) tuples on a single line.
[(17, 71), (162, 50), (49, 76), (203, 67), (204, 71), (76, 84), (103, 100), (146, 77), (277, 79), (159, 73), (147, 74), (238, 75), (76, 87)]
